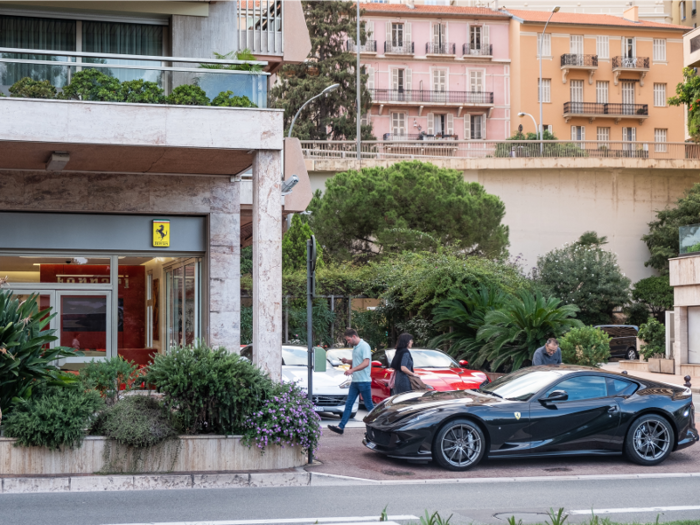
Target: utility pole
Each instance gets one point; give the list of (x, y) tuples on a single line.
[(359, 91), (310, 291)]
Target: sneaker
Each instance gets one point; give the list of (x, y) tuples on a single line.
[(335, 429)]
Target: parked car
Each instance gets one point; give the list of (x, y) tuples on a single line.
[(330, 388), (334, 357), (624, 340), (537, 411), (434, 367)]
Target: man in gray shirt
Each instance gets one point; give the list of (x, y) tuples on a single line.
[(549, 354)]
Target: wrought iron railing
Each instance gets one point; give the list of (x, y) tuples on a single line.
[(424, 95), (418, 136), (482, 50), (405, 49), (630, 63), (432, 48), (579, 60), (611, 109), (370, 46)]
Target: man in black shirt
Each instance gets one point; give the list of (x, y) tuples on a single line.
[(549, 354)]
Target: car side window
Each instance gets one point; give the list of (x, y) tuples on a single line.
[(620, 387), (582, 387), (381, 357)]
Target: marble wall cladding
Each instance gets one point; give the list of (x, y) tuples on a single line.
[(267, 262)]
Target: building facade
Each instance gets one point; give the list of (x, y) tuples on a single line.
[(684, 12), (604, 78), (128, 219), (437, 72)]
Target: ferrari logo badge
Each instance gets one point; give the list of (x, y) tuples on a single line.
[(517, 415), (161, 234)]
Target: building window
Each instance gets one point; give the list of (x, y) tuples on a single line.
[(546, 90), (603, 137), (396, 35), (475, 37), (660, 140), (602, 46), (660, 95), (629, 47), (601, 91), (545, 44), (659, 50), (476, 81), (440, 34), (576, 91), (695, 8), (548, 129), (578, 132), (439, 80), (477, 123), (398, 80), (398, 125), (682, 9), (576, 44), (629, 135)]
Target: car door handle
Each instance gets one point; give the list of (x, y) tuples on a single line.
[(612, 409)]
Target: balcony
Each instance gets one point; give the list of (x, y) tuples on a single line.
[(440, 49), (417, 136), (594, 110), (429, 98), (630, 64), (485, 51), (368, 48), (406, 48), (571, 62)]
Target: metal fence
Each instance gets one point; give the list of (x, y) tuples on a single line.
[(406, 49), (440, 49), (370, 46), (630, 62), (434, 96), (482, 50), (579, 60), (479, 149), (597, 108)]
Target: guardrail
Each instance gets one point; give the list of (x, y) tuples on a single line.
[(479, 149), (427, 95), (406, 49), (579, 60), (370, 46), (483, 50), (610, 109), (440, 49), (630, 63)]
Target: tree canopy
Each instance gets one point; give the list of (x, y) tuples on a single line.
[(656, 294), (688, 93), (408, 206), (294, 246)]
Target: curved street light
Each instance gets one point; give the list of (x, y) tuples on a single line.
[(330, 88), (522, 114), (555, 9)]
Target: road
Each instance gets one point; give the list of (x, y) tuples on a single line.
[(470, 503)]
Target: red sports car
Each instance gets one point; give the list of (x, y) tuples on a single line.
[(434, 367)]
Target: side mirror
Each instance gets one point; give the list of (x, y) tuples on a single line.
[(376, 364), (463, 363), (557, 395)]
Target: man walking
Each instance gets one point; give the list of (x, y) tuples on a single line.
[(549, 354), (361, 377)]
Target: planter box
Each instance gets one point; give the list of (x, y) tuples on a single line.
[(188, 454), (661, 366), (636, 366)]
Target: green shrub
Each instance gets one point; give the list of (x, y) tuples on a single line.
[(28, 88), (585, 346), (24, 359), (136, 421), (372, 327), (228, 99), (653, 333), (656, 293), (141, 91), (211, 390), (637, 314), (322, 320), (107, 377), (242, 54), (59, 417), (188, 95), (92, 84)]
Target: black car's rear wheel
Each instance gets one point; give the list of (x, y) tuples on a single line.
[(632, 354), (459, 445), (649, 440)]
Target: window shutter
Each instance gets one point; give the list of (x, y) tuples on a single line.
[(445, 36), (409, 78), (483, 126), (370, 79), (395, 79), (583, 132), (370, 31), (573, 132), (402, 127), (633, 135), (485, 40), (407, 35), (388, 36), (431, 124), (469, 42), (624, 134), (450, 124), (467, 127), (436, 34), (623, 42)]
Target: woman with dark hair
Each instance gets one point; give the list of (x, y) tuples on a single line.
[(402, 363)]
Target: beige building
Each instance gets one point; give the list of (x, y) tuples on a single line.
[(683, 12)]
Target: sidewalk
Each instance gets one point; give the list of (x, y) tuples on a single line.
[(662, 378)]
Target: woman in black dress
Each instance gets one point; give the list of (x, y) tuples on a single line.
[(402, 363)]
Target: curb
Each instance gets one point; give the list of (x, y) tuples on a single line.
[(298, 478)]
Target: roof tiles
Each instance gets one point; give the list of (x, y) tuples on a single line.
[(588, 19), (432, 9)]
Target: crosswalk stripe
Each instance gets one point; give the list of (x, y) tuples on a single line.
[(631, 510), (285, 521)]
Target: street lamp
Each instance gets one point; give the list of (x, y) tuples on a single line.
[(555, 9), (330, 88), (522, 114)]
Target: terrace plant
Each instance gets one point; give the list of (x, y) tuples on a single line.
[(243, 54), (228, 99), (141, 91), (111, 378), (92, 84), (188, 95), (29, 88)]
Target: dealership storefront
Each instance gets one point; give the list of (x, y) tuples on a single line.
[(128, 285)]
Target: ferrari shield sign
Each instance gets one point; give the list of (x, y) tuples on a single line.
[(161, 234)]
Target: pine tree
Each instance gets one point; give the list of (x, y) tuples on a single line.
[(294, 246), (333, 116)]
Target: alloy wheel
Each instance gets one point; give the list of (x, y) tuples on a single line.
[(651, 440), (461, 446), (631, 354)]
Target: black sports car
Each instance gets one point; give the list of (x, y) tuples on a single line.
[(537, 411)]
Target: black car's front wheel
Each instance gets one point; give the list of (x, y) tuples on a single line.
[(649, 440), (459, 445), (632, 354)]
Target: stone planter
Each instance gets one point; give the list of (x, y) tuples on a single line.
[(188, 454), (661, 366), (637, 366)]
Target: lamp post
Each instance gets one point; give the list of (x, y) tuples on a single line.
[(555, 9), (330, 88), (522, 114), (359, 90)]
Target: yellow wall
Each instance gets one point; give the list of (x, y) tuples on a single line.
[(525, 98), (690, 18)]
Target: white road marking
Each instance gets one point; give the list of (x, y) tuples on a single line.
[(303, 521), (632, 510)]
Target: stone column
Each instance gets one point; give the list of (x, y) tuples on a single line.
[(267, 262), (680, 344), (225, 267)]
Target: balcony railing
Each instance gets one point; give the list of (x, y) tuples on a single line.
[(612, 110), (630, 63), (488, 149), (418, 136), (405, 49), (370, 46), (484, 50), (260, 26), (58, 67), (571, 60), (440, 49), (429, 96)]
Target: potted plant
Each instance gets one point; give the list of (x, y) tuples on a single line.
[(653, 333)]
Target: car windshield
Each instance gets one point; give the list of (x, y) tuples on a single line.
[(426, 359), (295, 356), (521, 385), (336, 354)]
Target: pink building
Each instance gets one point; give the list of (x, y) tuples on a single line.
[(440, 71)]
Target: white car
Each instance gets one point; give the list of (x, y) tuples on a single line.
[(328, 394)]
